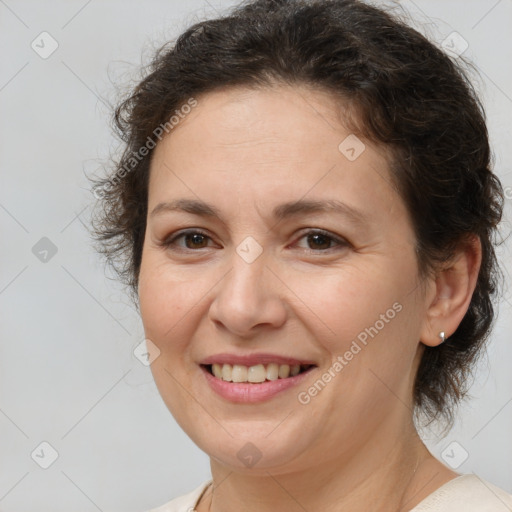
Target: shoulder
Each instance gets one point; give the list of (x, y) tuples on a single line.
[(466, 493), (184, 503)]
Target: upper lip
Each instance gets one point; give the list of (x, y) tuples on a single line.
[(254, 359)]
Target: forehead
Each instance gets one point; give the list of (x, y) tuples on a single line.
[(240, 118), (282, 142)]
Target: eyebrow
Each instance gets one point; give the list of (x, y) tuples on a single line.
[(280, 212)]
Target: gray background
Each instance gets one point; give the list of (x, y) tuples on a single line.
[(68, 375)]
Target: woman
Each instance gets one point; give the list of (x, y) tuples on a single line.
[(305, 213)]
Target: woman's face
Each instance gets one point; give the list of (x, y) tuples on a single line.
[(273, 275)]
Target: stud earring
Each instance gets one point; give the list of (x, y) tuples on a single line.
[(442, 336)]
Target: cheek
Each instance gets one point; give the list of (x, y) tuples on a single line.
[(164, 300), (167, 312), (346, 300), (370, 317)]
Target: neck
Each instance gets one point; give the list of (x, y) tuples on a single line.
[(376, 475)]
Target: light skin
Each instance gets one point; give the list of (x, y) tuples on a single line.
[(353, 446)]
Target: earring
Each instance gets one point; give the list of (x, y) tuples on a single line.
[(442, 336)]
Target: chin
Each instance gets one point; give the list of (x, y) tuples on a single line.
[(251, 452)]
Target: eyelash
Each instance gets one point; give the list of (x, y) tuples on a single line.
[(169, 242)]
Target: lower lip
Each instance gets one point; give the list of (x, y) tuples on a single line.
[(243, 392)]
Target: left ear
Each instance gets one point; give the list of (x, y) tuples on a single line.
[(454, 285)]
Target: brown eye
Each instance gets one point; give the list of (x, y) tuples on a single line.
[(193, 240), (319, 241), (322, 241)]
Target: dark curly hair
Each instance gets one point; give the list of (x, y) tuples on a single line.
[(397, 89)]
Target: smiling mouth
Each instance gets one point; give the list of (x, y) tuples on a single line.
[(255, 374)]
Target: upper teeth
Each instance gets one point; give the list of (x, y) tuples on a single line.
[(257, 373)]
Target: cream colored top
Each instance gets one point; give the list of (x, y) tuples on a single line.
[(465, 493)]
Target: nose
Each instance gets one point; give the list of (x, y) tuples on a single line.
[(248, 299)]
